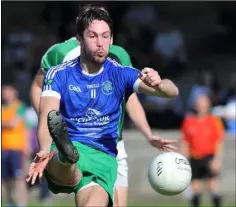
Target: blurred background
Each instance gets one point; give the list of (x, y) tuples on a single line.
[(192, 43)]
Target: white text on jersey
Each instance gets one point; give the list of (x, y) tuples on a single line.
[(75, 88), (93, 86)]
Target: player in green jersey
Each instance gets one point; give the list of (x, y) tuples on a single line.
[(70, 49)]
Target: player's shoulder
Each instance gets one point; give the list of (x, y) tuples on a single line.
[(61, 47), (63, 67), (214, 118), (117, 67), (119, 51), (117, 48), (113, 64), (189, 118)]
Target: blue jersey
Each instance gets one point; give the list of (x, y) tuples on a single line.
[(92, 104)]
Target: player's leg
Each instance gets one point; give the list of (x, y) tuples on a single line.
[(213, 188), (69, 175), (196, 192), (17, 161), (121, 185), (196, 182), (121, 196), (92, 195), (64, 156), (99, 169), (213, 184)]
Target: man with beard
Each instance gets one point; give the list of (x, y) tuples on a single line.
[(69, 50), (81, 111)]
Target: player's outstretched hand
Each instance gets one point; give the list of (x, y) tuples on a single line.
[(37, 167), (162, 144), (150, 77)]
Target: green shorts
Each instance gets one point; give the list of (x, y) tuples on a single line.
[(95, 166)]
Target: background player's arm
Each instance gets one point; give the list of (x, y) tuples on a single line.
[(133, 105), (51, 58), (184, 148), (220, 137), (137, 115), (216, 163), (36, 89)]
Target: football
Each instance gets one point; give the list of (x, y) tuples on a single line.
[(169, 173)]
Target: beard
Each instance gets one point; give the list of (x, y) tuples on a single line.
[(97, 58)]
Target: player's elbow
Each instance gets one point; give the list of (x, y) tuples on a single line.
[(169, 89), (171, 93), (35, 93)]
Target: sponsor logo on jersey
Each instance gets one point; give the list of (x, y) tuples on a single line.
[(74, 88), (107, 88), (92, 117)]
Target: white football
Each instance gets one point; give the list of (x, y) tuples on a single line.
[(169, 173)]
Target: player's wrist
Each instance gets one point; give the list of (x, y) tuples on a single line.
[(148, 136), (167, 87), (44, 149)]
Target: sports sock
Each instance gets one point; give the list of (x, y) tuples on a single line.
[(195, 201), (216, 200)]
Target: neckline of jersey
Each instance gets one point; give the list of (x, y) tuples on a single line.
[(90, 74)]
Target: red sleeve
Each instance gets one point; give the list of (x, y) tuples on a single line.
[(219, 129)]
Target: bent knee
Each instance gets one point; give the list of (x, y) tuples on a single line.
[(92, 196)]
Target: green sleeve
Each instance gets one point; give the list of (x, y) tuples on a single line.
[(122, 54), (21, 110), (125, 58), (51, 58)]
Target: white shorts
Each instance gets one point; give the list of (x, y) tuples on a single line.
[(122, 171)]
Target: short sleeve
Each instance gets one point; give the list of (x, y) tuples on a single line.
[(122, 55), (125, 58), (130, 79), (52, 83), (219, 129), (51, 58)]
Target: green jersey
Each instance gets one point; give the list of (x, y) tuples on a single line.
[(70, 49)]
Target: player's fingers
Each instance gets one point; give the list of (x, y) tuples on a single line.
[(31, 167), (40, 177), (156, 82), (28, 178), (142, 76), (170, 141), (31, 170), (171, 147), (166, 149), (147, 70), (34, 178)]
